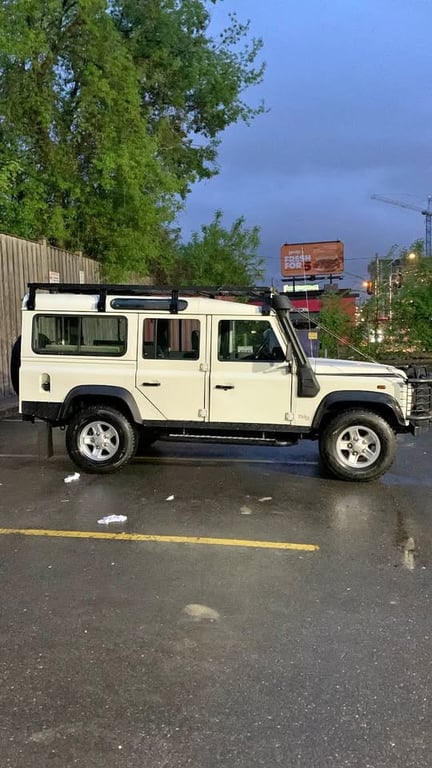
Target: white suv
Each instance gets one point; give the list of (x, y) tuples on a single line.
[(115, 364)]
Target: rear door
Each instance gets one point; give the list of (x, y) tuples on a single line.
[(172, 375)]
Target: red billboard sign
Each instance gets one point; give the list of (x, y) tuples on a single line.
[(305, 259)]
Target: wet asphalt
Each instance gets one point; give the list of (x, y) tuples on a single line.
[(176, 655)]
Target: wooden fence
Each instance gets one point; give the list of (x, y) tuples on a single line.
[(22, 262)]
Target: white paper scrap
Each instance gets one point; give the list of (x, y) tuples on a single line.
[(112, 519), (71, 478)]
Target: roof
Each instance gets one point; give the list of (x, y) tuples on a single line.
[(70, 298)]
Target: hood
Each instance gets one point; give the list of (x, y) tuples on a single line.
[(322, 365)]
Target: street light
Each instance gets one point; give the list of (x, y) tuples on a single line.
[(369, 286), (412, 256)]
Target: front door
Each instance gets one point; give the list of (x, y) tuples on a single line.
[(250, 379), (171, 370)]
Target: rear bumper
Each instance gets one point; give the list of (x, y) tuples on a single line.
[(31, 410)]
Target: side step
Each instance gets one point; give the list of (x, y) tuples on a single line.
[(200, 438)]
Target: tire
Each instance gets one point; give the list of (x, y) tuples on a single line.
[(15, 364), (100, 439), (357, 445)]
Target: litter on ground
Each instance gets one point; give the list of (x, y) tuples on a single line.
[(71, 478), (112, 519), (198, 612)]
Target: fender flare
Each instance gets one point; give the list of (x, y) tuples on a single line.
[(103, 391), (351, 398)]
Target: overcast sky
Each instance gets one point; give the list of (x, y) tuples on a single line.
[(348, 86)]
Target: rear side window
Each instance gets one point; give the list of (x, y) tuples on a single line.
[(79, 335), (171, 339)]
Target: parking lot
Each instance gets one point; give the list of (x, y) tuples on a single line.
[(248, 612)]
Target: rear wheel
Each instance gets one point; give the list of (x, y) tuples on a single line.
[(100, 439), (357, 445)]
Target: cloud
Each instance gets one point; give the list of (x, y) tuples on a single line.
[(347, 86)]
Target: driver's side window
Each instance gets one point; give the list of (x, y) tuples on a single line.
[(248, 340)]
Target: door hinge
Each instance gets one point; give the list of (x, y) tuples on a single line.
[(202, 413), (204, 367), (289, 417)]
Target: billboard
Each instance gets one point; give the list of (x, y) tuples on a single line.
[(304, 259)]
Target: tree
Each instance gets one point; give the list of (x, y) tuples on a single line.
[(398, 315), (108, 112), (82, 166), (412, 307), (337, 328), (191, 84), (216, 256)]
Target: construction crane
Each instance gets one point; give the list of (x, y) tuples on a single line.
[(426, 212)]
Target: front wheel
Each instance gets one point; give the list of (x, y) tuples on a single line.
[(100, 439), (357, 445)]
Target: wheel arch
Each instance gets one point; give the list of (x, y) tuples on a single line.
[(83, 396), (382, 404)]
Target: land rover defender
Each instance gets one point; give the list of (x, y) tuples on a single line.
[(116, 364)]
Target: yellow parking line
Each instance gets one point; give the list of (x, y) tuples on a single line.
[(161, 539)]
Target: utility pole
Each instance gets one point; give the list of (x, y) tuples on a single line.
[(377, 294), (390, 315), (428, 240)]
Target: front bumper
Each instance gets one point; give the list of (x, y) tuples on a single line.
[(420, 417)]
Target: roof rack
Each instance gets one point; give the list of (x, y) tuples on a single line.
[(261, 293)]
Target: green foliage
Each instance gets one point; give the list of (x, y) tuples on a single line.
[(108, 112), (412, 308), (191, 84), (216, 256), (336, 328), (403, 295)]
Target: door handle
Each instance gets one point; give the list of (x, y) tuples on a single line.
[(151, 384), (224, 386)]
